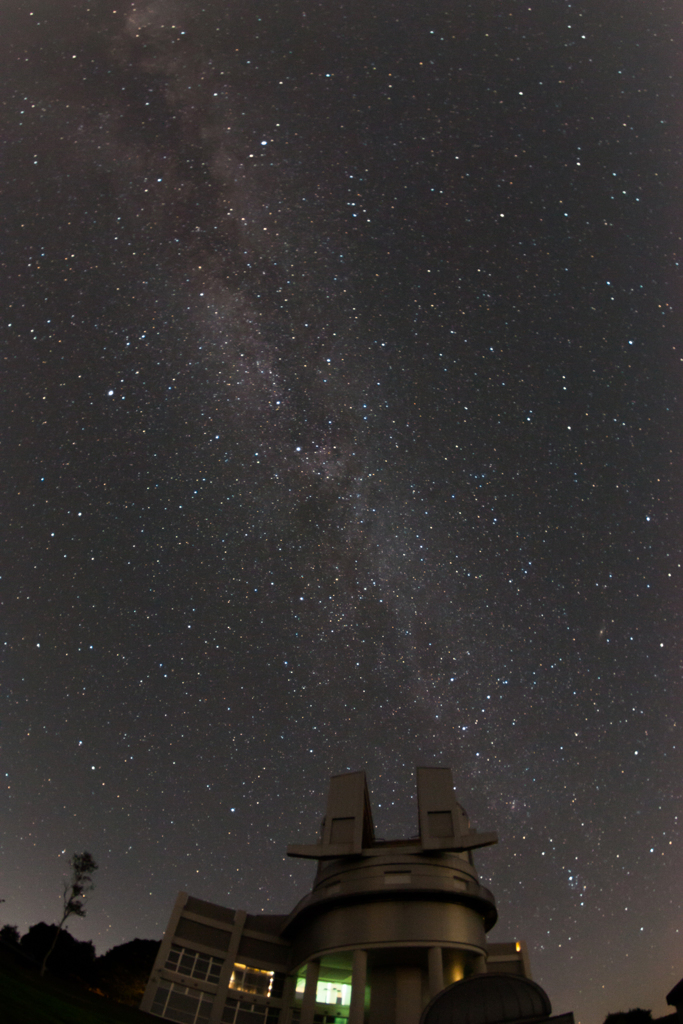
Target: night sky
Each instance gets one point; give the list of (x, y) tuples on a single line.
[(341, 429)]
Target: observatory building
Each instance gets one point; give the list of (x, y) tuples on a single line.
[(388, 930)]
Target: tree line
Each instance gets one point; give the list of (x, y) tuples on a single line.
[(120, 974)]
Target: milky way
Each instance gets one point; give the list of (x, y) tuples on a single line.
[(341, 428)]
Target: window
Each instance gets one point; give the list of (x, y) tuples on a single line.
[(193, 964), (181, 1004), (252, 979), (333, 993), (244, 1012)]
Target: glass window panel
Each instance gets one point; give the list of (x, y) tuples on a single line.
[(181, 1008), (203, 962), (251, 980), (204, 1009), (186, 964), (193, 964), (184, 1005), (180, 1016), (333, 992), (160, 998), (257, 983), (182, 1002)]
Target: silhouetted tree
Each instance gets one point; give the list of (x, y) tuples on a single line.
[(636, 1016), (69, 958), (9, 933), (76, 893), (123, 972)]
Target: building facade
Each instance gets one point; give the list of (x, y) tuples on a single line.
[(387, 926)]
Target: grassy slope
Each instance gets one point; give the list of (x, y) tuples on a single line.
[(25, 998)]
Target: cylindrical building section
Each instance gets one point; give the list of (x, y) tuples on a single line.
[(419, 919), (385, 928)]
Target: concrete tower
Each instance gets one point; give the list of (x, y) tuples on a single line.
[(403, 918), (386, 927)]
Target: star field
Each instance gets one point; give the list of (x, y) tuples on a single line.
[(341, 420)]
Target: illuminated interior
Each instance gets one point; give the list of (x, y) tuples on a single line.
[(252, 979), (332, 993)]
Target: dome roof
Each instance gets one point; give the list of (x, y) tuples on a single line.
[(488, 999)]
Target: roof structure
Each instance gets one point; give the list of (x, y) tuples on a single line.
[(489, 999)]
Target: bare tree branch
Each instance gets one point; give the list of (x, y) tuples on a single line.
[(76, 895)]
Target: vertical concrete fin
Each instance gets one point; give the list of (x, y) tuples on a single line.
[(348, 818), (162, 955), (441, 817)]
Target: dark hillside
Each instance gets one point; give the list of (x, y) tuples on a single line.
[(28, 999)]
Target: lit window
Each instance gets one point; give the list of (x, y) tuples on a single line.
[(332, 993), (252, 979)]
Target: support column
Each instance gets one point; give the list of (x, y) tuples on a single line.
[(162, 955), (435, 960), (287, 999), (308, 1004), (408, 995), (358, 977), (227, 968), (480, 964)]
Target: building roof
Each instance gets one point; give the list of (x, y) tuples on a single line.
[(489, 999)]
